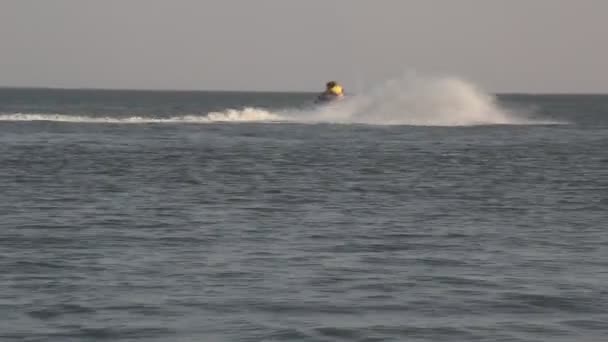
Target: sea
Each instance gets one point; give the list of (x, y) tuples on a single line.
[(419, 210)]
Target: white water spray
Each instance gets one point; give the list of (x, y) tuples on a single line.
[(411, 100), (420, 101)]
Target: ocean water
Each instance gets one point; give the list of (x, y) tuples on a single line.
[(418, 211)]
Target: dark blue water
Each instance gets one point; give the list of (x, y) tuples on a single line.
[(257, 231)]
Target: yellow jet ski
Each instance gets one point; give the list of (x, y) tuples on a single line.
[(333, 92)]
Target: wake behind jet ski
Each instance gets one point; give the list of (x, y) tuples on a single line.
[(333, 92)]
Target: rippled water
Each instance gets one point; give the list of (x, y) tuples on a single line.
[(303, 232)]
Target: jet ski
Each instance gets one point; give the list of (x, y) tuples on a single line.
[(328, 98), (333, 92)]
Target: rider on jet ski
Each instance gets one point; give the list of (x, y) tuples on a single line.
[(333, 91)]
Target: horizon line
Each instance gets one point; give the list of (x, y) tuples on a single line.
[(262, 91)]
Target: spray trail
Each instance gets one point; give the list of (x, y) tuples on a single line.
[(230, 115), (408, 101), (420, 101)]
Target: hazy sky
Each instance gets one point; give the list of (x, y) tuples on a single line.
[(504, 46)]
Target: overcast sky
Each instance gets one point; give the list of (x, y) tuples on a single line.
[(504, 46)]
